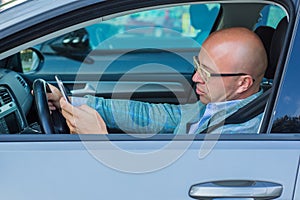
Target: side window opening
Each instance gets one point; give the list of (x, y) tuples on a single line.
[(162, 29)]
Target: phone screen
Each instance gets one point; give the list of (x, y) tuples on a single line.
[(62, 88)]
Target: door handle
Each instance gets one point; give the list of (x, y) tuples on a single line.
[(236, 189)]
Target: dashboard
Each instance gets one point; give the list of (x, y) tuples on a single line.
[(15, 102)]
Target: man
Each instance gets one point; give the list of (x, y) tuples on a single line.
[(229, 69)]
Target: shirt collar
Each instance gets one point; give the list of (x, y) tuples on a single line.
[(226, 104)]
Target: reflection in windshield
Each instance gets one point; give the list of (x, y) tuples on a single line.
[(5, 4)]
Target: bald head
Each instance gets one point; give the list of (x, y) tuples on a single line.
[(238, 50)]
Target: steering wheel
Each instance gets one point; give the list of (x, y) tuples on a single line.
[(50, 124)]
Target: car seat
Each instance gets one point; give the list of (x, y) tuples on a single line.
[(273, 41), (266, 33), (276, 47)]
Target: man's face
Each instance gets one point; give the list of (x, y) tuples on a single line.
[(213, 88)]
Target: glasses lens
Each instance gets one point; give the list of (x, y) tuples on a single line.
[(203, 74), (196, 64)]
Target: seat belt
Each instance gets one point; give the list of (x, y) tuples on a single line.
[(244, 114)]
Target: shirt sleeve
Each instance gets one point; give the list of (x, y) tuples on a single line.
[(78, 101), (136, 117)]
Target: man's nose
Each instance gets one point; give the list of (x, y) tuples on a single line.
[(197, 78)]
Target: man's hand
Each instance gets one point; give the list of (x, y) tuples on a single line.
[(53, 98), (82, 119)]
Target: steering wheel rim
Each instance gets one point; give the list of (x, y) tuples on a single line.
[(50, 124), (41, 103)]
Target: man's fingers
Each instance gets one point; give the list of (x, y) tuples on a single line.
[(51, 97), (51, 106), (67, 110), (70, 112), (72, 128), (82, 119), (67, 107)]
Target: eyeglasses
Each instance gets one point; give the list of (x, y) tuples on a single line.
[(205, 75)]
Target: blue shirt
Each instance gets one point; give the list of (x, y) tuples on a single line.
[(210, 110), (141, 117)]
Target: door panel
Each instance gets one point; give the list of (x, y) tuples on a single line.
[(140, 168)]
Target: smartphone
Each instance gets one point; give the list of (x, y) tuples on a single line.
[(62, 88)]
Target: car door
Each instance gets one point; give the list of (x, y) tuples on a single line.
[(133, 168), (144, 166)]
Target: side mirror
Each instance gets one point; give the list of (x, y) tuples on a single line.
[(31, 60)]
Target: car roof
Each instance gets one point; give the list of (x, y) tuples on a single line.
[(24, 10)]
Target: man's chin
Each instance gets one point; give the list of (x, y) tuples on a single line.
[(204, 99)]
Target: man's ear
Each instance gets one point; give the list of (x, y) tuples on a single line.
[(245, 82)]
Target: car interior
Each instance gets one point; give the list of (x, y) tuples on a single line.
[(94, 59)]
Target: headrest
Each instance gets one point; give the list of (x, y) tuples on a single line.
[(276, 47), (265, 33)]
